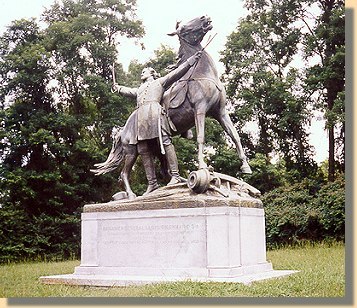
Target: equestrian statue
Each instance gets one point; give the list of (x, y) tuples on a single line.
[(172, 105)]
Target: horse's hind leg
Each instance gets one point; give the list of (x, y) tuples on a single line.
[(131, 155), (226, 122)]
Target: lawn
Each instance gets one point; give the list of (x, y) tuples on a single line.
[(321, 266)]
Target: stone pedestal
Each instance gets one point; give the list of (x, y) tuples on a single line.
[(154, 241)]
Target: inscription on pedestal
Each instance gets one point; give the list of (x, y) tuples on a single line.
[(157, 242)]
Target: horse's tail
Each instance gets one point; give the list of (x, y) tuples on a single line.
[(115, 156)]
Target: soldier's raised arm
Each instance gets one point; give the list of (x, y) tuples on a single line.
[(177, 73)]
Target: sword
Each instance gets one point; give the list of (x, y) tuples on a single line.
[(162, 149)]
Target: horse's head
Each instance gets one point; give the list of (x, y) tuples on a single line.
[(193, 31)]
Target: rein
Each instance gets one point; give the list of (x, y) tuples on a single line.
[(189, 78), (210, 39)]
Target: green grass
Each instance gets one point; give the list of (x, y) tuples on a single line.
[(321, 266)]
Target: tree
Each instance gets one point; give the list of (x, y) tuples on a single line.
[(33, 199), (264, 62), (263, 84), (164, 58), (26, 136), (57, 118), (82, 36), (325, 41)]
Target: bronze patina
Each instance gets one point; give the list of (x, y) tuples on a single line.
[(171, 105)]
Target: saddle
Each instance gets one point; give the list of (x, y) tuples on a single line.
[(178, 91)]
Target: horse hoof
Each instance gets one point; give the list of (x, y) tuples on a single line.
[(122, 195), (131, 196), (246, 169)]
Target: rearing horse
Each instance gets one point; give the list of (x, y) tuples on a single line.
[(199, 93)]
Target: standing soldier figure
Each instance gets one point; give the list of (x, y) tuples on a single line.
[(152, 122)]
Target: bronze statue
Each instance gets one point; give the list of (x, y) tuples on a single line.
[(197, 93), (152, 121)]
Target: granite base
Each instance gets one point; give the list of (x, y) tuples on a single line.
[(128, 245)]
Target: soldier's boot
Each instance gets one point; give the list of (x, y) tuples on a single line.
[(173, 164), (149, 166)]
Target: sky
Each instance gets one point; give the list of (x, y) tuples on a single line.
[(159, 18), (224, 20)]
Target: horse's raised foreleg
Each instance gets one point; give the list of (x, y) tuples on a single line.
[(131, 155), (200, 130), (229, 128)]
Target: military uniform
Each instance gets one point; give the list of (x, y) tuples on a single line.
[(151, 121), (150, 116)]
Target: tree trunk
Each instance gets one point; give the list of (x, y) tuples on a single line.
[(331, 154)]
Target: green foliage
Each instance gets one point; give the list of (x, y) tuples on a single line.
[(310, 210), (266, 176), (164, 57), (220, 154), (57, 114), (330, 203), (39, 236), (134, 70), (326, 41), (267, 86), (186, 155), (267, 93)]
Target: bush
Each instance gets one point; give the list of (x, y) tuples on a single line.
[(309, 210), (28, 237), (330, 203)]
